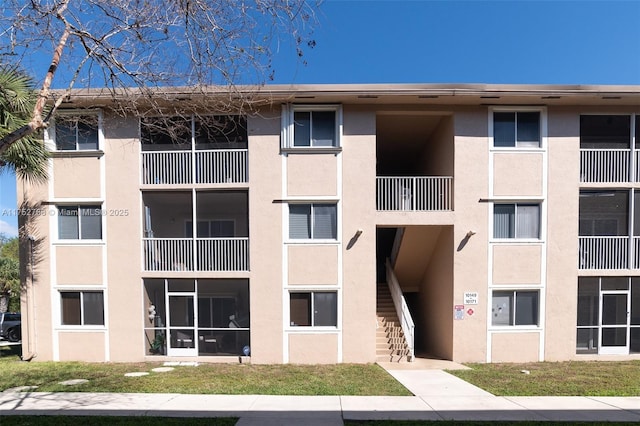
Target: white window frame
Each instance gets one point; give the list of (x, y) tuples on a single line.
[(311, 239), (80, 205), (512, 308), (541, 128), (82, 315), (50, 133), (515, 204), (312, 292), (288, 135)]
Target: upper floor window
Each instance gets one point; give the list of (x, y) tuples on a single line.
[(516, 221), (311, 127), (516, 129), (76, 132), (79, 222), (313, 221)]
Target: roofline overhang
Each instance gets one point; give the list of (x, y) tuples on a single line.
[(365, 93)]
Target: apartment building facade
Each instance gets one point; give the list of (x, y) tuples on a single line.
[(502, 219)]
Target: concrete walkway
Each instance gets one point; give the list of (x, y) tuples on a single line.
[(438, 396)]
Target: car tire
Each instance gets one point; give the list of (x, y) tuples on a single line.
[(13, 334)]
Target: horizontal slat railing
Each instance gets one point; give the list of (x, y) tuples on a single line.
[(168, 254), (418, 193), (166, 167), (601, 252), (211, 166), (223, 254), (605, 165)]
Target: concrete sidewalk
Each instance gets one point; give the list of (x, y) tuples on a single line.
[(438, 396)]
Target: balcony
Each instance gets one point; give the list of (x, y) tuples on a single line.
[(199, 254), (202, 230), (412, 194), (181, 167)]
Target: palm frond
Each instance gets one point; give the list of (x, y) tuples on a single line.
[(28, 156)]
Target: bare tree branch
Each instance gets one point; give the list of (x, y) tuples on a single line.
[(136, 47)]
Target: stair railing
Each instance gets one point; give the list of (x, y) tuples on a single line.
[(408, 327)]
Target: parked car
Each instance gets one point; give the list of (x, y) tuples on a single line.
[(10, 326)]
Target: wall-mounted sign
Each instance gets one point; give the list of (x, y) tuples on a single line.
[(470, 297), (458, 312)]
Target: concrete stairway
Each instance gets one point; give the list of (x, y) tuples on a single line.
[(391, 345)]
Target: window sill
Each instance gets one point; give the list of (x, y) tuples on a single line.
[(311, 329), (79, 243), (312, 241), (81, 328), (78, 154), (516, 241), (515, 328), (312, 150), (516, 149)]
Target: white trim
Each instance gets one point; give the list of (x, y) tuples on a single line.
[(50, 134), (105, 246), (339, 230), (284, 136), (286, 149), (287, 133), (541, 241)]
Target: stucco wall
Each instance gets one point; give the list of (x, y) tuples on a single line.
[(471, 254), (265, 236), (358, 254)]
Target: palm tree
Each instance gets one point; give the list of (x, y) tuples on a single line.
[(27, 157)]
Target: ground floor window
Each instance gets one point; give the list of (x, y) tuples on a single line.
[(186, 317), (82, 307), (514, 307), (313, 309), (608, 320)]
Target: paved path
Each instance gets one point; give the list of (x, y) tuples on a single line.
[(438, 396)]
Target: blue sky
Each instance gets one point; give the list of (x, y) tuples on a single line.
[(450, 41)]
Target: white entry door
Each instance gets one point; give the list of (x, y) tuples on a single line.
[(614, 332), (181, 318)]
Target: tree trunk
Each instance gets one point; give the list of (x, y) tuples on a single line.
[(4, 302)]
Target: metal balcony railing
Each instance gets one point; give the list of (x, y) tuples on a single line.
[(610, 252), (606, 165), (419, 193), (200, 254), (201, 166)]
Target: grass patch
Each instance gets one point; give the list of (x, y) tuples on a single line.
[(230, 379), (571, 378)]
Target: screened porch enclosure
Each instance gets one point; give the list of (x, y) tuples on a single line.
[(610, 148), (608, 238), (206, 317), (196, 231), (194, 150)]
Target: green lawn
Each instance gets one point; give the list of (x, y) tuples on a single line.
[(231, 379), (596, 378)]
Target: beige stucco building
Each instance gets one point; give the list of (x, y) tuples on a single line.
[(503, 220)]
